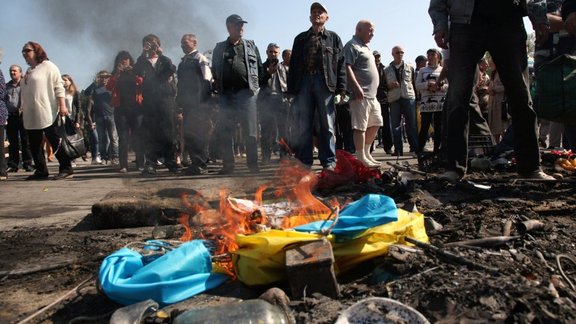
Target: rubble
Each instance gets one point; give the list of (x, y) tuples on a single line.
[(524, 277)]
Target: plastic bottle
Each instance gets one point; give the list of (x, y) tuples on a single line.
[(250, 311)]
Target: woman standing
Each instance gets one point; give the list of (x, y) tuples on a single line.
[(43, 99), (433, 94), (127, 112), (72, 103), (71, 98)]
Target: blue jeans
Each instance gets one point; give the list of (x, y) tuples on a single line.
[(107, 137), (506, 42), (406, 107), (315, 103), (92, 134), (238, 108)]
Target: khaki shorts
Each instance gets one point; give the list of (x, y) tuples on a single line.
[(365, 114)]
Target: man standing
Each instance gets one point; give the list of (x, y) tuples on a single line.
[(385, 136), (284, 120), (402, 98), (238, 72), (317, 73), (497, 27), (194, 91), (270, 103), (17, 135), (363, 81)]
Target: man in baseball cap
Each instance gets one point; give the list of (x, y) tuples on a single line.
[(317, 75), (237, 79), (318, 5), (235, 19)]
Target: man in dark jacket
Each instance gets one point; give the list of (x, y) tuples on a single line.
[(158, 105), (238, 73), (316, 75)]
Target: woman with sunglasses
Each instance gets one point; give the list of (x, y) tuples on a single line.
[(43, 100)]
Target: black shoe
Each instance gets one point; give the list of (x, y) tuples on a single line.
[(253, 169), (193, 170), (28, 168), (63, 175), (12, 170), (226, 170), (38, 176)]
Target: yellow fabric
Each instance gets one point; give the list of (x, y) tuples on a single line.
[(260, 259)]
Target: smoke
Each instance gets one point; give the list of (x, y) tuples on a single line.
[(94, 31)]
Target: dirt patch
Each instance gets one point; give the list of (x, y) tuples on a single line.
[(520, 281)]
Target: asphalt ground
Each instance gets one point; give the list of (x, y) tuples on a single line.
[(67, 203)]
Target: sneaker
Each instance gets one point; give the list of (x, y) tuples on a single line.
[(12, 170), (114, 161), (123, 170), (28, 168), (367, 163), (63, 175), (3, 177), (73, 164), (97, 160), (537, 175), (38, 176), (451, 177)]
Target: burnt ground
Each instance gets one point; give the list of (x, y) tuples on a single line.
[(517, 281)]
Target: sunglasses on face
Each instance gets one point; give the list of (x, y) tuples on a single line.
[(398, 52), (26, 51)]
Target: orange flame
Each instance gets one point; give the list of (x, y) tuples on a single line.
[(294, 184)]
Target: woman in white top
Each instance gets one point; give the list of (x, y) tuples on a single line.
[(43, 99)]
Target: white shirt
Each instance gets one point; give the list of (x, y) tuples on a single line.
[(40, 88)]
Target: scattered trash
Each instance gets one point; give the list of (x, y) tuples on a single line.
[(135, 313), (381, 310), (530, 226)]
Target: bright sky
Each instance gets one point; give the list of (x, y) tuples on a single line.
[(82, 36)]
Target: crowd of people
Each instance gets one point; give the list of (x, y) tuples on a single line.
[(321, 96)]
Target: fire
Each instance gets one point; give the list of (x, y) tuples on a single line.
[(294, 184)]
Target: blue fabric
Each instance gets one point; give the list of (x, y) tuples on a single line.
[(173, 277), (369, 211)]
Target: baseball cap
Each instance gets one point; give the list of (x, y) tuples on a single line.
[(376, 53), (234, 19), (318, 5), (421, 58)]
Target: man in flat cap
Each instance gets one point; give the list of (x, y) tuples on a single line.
[(317, 74), (238, 73)]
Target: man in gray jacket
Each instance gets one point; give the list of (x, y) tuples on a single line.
[(470, 28), (402, 99)]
